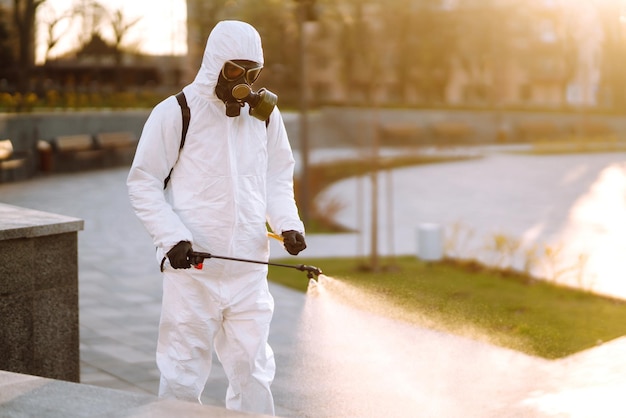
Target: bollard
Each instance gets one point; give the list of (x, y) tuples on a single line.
[(46, 159), (430, 242)]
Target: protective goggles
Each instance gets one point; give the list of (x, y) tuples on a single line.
[(232, 71)]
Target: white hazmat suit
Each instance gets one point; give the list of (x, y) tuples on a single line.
[(232, 175)]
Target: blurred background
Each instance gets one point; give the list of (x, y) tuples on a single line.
[(475, 54)]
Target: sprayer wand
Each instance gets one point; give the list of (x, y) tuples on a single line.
[(311, 271)]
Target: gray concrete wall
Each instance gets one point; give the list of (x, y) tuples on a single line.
[(39, 334), (356, 125), (27, 128), (328, 127)]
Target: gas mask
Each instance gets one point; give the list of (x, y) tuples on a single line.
[(234, 89)]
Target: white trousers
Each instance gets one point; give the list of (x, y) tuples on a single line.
[(233, 317)]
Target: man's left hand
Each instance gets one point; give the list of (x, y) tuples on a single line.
[(293, 241)]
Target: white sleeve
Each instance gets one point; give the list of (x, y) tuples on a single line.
[(157, 152), (282, 212)]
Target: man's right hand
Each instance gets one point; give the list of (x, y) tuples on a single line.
[(179, 255)]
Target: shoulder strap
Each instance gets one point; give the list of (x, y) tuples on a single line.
[(184, 108), (186, 113)]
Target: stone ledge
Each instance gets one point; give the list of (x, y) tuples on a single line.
[(30, 396), (17, 222)]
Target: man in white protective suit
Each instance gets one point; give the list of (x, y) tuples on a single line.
[(233, 174)]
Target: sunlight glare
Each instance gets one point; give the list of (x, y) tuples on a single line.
[(596, 229), (161, 29), (587, 384)]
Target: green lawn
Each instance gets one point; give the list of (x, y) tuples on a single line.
[(531, 316)]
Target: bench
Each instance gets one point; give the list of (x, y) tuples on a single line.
[(588, 136), (451, 132), (76, 152), (119, 147), (399, 134), (537, 131), (12, 164), (591, 129)]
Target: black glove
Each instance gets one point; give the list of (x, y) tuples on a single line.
[(293, 241), (179, 255)]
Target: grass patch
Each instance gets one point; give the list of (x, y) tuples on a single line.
[(513, 311)]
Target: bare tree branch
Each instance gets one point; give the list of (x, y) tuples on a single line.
[(120, 28)]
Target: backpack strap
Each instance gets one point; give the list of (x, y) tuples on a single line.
[(184, 108), (186, 113)]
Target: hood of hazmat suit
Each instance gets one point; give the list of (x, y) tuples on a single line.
[(232, 175)]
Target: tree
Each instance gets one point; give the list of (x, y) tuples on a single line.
[(613, 78), (277, 24), (424, 42), (355, 47), (24, 13), (6, 47), (276, 21), (487, 32), (120, 27), (51, 24), (91, 14), (202, 16)]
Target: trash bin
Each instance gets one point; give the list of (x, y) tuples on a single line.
[(45, 156), (430, 242)]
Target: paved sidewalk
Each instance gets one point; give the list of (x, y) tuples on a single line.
[(332, 360)]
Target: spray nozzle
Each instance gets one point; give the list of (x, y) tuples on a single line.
[(310, 271)]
